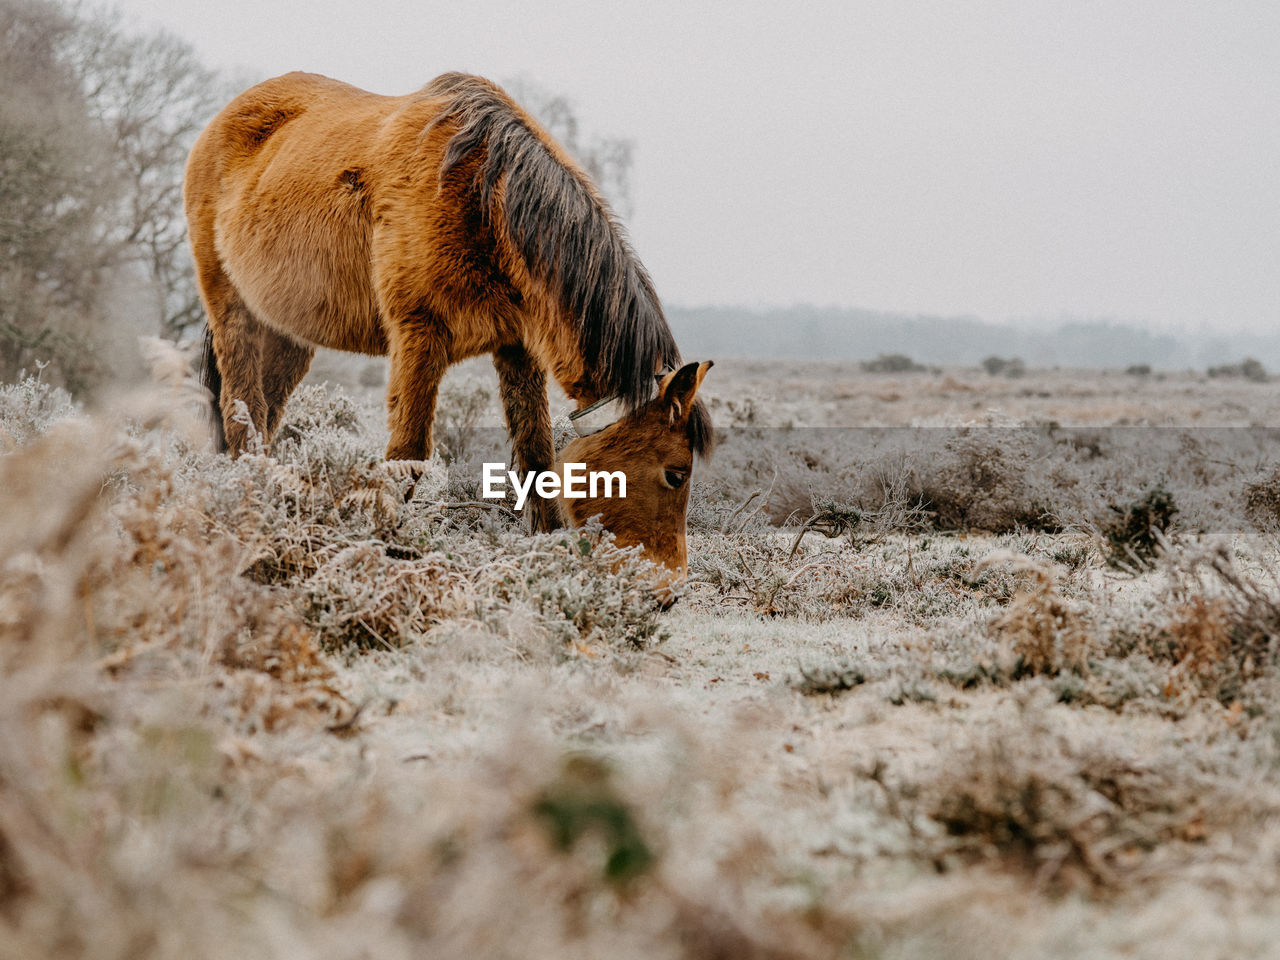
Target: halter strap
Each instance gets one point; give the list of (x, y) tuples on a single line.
[(602, 414)]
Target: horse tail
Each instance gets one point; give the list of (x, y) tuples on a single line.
[(211, 380), (568, 238)]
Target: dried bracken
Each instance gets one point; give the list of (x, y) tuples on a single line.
[(1046, 632), (1223, 629)]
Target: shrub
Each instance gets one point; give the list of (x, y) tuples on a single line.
[(312, 409), (95, 127), (1011, 367), (835, 677), (1262, 499), (1134, 533), (891, 363), (1248, 369), (583, 801), (1075, 813), (30, 407), (1047, 634), (985, 479), (1222, 628), (460, 409)]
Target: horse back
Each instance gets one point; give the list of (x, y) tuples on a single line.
[(279, 206), (324, 207)]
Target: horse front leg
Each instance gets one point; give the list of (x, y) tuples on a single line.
[(419, 357), (522, 384)]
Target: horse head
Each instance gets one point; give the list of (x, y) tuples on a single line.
[(654, 448)]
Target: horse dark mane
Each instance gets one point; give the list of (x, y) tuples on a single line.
[(569, 239)]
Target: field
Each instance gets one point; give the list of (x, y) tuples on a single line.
[(967, 665)]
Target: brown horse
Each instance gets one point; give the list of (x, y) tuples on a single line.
[(435, 227)]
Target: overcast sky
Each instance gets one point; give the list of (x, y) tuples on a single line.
[(1016, 159)]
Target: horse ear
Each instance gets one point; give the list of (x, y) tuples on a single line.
[(679, 388)]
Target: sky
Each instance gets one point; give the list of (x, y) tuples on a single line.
[(1011, 159)]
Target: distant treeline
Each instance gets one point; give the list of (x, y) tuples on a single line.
[(827, 333)]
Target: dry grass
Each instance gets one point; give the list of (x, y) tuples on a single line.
[(305, 704)]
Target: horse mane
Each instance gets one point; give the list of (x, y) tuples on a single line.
[(569, 239)]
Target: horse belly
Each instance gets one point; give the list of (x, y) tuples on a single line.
[(299, 257)]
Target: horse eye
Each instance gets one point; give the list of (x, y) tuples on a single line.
[(675, 478)]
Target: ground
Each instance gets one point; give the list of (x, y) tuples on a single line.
[(932, 687)]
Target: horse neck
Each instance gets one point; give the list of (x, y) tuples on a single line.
[(578, 385), (551, 337)]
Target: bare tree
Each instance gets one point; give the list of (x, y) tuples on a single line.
[(95, 125), (152, 96), (55, 190)]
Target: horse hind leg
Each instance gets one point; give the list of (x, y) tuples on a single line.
[(284, 363), (233, 353), (237, 344), (522, 384)]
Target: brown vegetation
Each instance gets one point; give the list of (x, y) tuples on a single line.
[(304, 701)]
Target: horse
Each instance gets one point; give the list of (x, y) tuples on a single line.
[(433, 227)]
